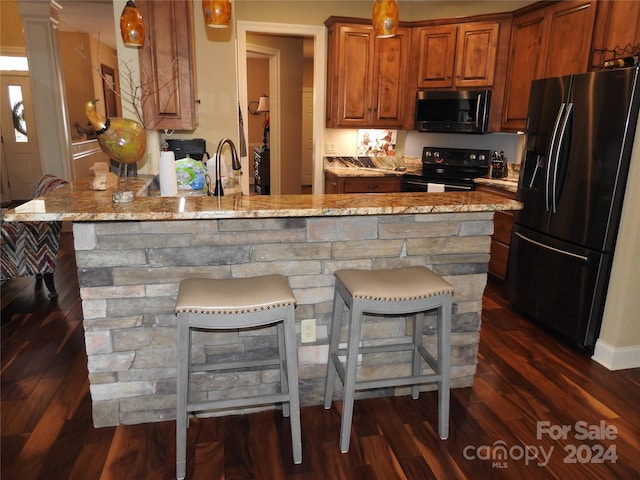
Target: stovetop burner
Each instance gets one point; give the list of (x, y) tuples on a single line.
[(455, 162)]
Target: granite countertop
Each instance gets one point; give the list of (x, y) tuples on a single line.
[(372, 166), (506, 184), (76, 202), (397, 166)]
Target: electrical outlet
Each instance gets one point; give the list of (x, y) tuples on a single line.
[(330, 148), (308, 330)]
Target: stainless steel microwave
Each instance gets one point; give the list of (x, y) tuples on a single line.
[(452, 111)]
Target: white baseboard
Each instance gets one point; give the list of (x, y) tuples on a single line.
[(616, 358)]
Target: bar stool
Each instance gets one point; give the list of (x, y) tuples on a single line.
[(239, 303), (400, 291)]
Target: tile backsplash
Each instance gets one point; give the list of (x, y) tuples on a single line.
[(410, 143)]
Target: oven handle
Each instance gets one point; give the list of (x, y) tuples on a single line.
[(458, 187), (424, 184)]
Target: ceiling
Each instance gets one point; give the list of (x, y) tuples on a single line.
[(89, 16)]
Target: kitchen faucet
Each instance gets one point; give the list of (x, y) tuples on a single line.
[(235, 165)]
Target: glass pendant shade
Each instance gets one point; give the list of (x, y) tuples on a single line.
[(217, 14), (132, 25), (385, 18)]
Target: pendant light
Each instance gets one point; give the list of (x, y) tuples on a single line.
[(132, 25), (217, 14), (385, 18)]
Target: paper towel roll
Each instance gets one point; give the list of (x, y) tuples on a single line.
[(435, 187), (168, 179)]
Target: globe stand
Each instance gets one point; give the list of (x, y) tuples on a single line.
[(126, 195)]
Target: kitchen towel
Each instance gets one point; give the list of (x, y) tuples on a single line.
[(435, 187), (168, 179)]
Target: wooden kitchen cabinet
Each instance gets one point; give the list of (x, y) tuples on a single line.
[(545, 42), (367, 76), (565, 46), (457, 55), (337, 184), (167, 65), (501, 238), (617, 26), (436, 47)]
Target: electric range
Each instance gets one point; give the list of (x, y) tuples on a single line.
[(451, 169)]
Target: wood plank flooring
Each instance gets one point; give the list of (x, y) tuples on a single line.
[(525, 376)]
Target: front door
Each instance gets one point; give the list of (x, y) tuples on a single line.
[(21, 155)]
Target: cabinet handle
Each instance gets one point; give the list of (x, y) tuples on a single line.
[(371, 187)]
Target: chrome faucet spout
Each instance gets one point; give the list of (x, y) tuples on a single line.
[(235, 164)]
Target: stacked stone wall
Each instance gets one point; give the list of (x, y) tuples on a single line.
[(129, 274)]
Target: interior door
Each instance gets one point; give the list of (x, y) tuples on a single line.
[(21, 154)]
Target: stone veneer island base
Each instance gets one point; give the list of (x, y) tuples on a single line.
[(130, 264)]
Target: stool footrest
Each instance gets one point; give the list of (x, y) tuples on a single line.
[(397, 382), (209, 367), (238, 402), (396, 347), (400, 347)]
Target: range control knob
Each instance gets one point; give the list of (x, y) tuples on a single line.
[(472, 156)]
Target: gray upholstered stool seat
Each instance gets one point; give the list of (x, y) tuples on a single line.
[(222, 304), (401, 291)]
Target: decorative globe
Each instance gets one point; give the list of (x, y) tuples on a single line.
[(123, 139)]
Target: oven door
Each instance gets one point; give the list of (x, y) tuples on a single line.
[(417, 183)]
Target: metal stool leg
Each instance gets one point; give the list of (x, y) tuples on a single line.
[(334, 342), (284, 361), (444, 367), (351, 367), (418, 328), (182, 416), (294, 396)]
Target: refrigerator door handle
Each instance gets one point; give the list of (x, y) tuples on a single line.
[(563, 131), (550, 155), (553, 249)]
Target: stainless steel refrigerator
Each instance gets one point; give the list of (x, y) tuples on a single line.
[(580, 132)]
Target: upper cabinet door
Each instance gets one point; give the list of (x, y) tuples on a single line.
[(367, 77), (523, 65), (476, 54), (437, 48), (617, 26), (355, 79), (566, 45), (389, 94), (167, 65), (546, 42)]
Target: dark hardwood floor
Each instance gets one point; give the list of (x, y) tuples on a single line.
[(525, 376)]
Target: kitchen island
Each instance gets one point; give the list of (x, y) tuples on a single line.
[(131, 258)]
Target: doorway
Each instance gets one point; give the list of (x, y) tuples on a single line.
[(278, 136), (20, 151)]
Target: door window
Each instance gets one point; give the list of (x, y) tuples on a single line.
[(17, 112)]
